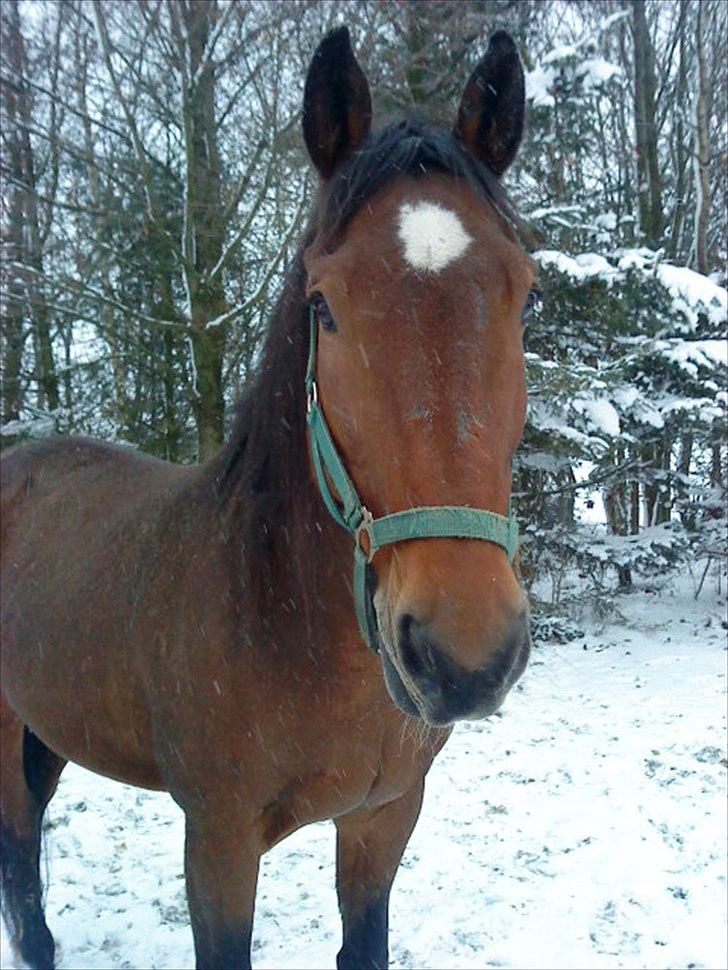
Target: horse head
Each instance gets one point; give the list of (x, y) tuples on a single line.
[(418, 287)]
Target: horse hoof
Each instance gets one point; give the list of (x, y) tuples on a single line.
[(36, 951)]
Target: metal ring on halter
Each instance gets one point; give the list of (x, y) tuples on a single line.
[(364, 528), (312, 396)]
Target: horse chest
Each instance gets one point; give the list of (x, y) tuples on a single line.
[(291, 738), (355, 768)]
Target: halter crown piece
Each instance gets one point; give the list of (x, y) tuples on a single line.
[(370, 534)]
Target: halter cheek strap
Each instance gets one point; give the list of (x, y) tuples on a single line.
[(370, 534)]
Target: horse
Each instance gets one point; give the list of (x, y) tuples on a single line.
[(197, 629)]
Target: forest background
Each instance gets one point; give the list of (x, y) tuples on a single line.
[(154, 187)]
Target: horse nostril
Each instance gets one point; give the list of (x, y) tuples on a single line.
[(408, 642), (420, 656)]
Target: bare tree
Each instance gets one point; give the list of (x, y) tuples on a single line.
[(31, 237), (195, 43)]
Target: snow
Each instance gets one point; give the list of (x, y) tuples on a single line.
[(585, 266), (631, 401), (592, 72), (612, 19), (596, 72), (691, 291), (585, 827), (588, 505), (693, 294), (597, 418), (538, 86), (689, 353), (554, 210), (563, 52), (601, 414), (694, 288), (31, 427), (628, 550), (702, 409), (542, 416)]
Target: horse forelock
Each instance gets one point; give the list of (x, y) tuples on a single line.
[(404, 147)]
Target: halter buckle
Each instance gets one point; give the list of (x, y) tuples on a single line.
[(311, 396), (364, 528)]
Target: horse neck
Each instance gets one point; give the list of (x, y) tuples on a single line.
[(293, 554), (291, 582)]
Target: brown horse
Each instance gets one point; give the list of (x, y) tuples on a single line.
[(192, 629)]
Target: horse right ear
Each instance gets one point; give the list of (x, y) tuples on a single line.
[(337, 106)]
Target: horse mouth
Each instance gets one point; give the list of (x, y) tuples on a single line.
[(437, 711), (409, 700), (396, 686), (454, 694)]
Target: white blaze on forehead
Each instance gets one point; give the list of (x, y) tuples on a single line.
[(432, 236)]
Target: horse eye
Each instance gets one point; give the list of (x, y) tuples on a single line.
[(533, 305), (323, 314)]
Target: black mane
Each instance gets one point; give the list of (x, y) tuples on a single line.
[(265, 462), (406, 147)]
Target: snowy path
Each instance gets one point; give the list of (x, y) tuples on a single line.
[(583, 828)]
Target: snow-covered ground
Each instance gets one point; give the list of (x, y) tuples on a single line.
[(585, 827)]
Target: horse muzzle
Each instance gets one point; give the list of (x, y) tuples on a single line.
[(425, 680)]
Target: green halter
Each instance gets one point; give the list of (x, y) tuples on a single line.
[(440, 522)]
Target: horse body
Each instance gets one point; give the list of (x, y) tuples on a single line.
[(147, 659), (192, 629)]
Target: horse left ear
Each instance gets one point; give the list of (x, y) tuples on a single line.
[(493, 107), (337, 106)]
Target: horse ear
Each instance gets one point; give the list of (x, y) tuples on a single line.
[(337, 106), (493, 107)]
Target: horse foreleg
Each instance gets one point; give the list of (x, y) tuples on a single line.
[(368, 851), (221, 870)]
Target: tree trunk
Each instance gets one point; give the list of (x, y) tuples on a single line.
[(46, 375), (634, 505), (13, 277), (718, 490), (205, 231), (648, 171), (663, 460), (615, 505), (167, 310), (702, 155), (681, 155), (649, 490), (566, 500), (682, 488), (107, 324)]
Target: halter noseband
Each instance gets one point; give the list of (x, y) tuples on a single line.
[(439, 522)]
